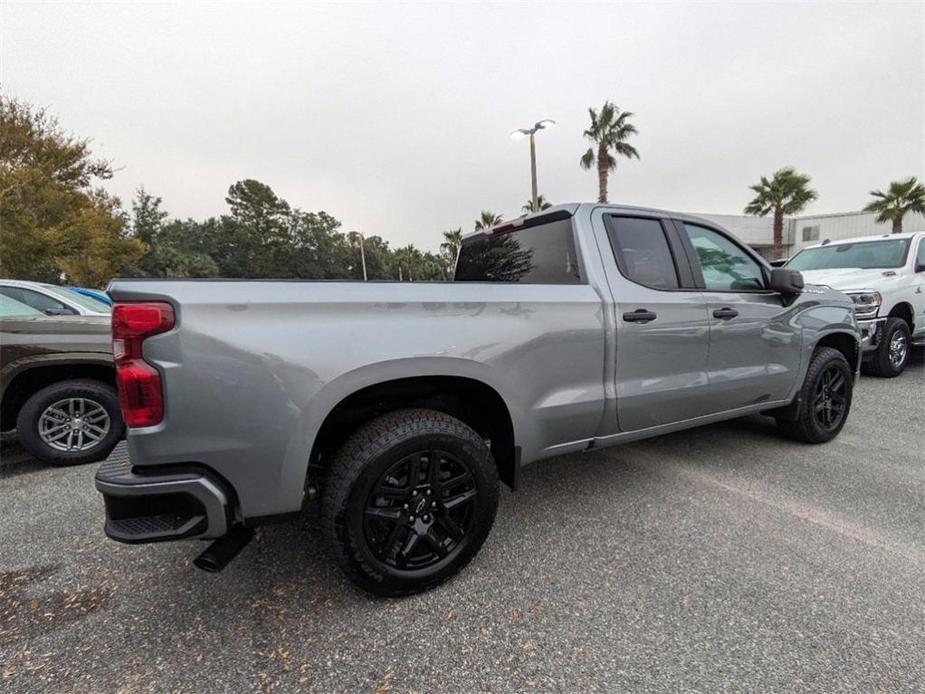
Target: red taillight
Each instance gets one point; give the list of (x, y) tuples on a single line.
[(141, 393)]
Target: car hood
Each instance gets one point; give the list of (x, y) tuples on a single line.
[(847, 278)]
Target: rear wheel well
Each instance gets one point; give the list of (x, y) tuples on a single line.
[(473, 402), (844, 343), (903, 310), (29, 382)]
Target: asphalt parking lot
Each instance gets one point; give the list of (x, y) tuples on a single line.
[(719, 559)]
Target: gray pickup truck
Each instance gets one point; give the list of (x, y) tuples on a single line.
[(401, 406)]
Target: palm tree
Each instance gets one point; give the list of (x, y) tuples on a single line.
[(786, 193), (542, 204), (609, 131), (452, 241), (487, 220), (901, 197), (406, 257)]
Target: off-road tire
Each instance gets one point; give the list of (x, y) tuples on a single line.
[(27, 421), (805, 427), (357, 469), (879, 364)]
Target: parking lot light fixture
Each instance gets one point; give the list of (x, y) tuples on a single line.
[(520, 134)]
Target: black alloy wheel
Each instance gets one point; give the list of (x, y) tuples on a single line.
[(420, 509), (831, 397), (823, 401), (408, 501)]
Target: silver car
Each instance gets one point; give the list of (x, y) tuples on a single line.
[(53, 300)]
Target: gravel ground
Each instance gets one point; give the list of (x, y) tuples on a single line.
[(719, 559)]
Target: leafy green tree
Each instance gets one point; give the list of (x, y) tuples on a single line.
[(147, 216), (261, 222), (542, 204), (487, 220), (433, 267), (415, 265), (255, 204), (177, 251), (54, 217), (610, 129), (174, 248), (901, 198), (786, 193), (380, 261), (320, 251), (405, 259)]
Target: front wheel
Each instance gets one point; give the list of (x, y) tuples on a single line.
[(892, 354), (409, 500), (825, 399)]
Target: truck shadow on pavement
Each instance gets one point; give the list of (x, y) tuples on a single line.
[(557, 499)]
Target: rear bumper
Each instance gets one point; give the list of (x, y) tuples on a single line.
[(161, 507)]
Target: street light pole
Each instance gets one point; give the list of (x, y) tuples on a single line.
[(531, 133), (358, 235)]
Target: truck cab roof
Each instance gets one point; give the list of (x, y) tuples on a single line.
[(863, 239)]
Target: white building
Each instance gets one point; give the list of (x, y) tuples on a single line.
[(758, 232)]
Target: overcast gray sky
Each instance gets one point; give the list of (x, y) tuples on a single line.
[(395, 118)]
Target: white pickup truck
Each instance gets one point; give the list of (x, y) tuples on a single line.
[(885, 277)]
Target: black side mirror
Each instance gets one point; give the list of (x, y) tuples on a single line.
[(920, 267), (786, 282)]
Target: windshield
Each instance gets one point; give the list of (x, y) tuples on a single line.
[(88, 302), (866, 255)]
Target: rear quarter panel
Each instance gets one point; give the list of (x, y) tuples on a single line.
[(253, 368)]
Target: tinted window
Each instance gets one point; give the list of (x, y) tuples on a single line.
[(38, 301), (920, 258), (866, 254), (642, 252), (543, 254), (724, 264)]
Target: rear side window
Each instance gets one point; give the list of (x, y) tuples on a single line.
[(642, 252), (40, 302), (543, 254), (10, 308), (724, 264)]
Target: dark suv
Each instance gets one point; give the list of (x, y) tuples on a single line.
[(57, 384)]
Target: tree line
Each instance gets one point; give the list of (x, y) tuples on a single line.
[(57, 223), (264, 236)]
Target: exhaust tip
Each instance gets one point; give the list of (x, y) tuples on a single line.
[(220, 553)]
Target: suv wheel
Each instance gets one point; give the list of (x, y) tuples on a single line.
[(409, 500), (70, 423), (825, 399), (892, 354)]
